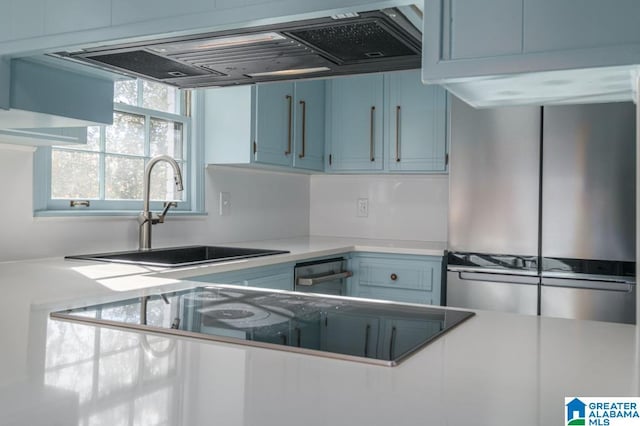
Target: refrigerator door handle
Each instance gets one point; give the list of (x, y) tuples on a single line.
[(498, 278), (588, 284)]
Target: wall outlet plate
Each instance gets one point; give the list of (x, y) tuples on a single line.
[(225, 204), (362, 207)]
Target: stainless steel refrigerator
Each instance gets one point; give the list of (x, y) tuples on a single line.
[(542, 210)]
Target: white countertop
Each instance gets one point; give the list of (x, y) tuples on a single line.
[(494, 369)]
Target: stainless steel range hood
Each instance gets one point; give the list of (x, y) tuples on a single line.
[(352, 43)]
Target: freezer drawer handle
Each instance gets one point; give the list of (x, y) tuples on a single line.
[(309, 281), (589, 285)]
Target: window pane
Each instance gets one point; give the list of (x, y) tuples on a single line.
[(123, 178), (126, 135), (166, 138), (74, 174), (163, 186), (126, 92), (93, 138), (160, 97)]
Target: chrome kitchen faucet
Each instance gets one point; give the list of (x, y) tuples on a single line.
[(146, 218)]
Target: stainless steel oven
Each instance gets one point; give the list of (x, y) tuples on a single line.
[(327, 276)]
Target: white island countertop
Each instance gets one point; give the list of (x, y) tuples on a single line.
[(494, 369)]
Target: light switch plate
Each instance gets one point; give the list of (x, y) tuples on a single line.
[(362, 207), (225, 204)]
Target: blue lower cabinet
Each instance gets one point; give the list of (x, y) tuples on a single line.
[(349, 334), (277, 277), (399, 336), (400, 278)]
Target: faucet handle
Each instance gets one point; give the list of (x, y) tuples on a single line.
[(167, 205)]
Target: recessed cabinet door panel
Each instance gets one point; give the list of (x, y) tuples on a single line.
[(350, 334), (579, 24), (309, 125), (356, 123), (485, 28), (274, 127), (416, 134)]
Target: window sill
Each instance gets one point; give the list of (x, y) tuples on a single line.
[(110, 213)]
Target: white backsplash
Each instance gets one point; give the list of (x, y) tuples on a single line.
[(265, 205), (401, 207)]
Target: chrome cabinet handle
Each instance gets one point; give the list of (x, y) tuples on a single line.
[(397, 133), (392, 343), (366, 340), (304, 128), (290, 100), (309, 281), (298, 336), (372, 134)]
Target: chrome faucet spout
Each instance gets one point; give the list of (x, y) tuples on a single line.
[(146, 217)]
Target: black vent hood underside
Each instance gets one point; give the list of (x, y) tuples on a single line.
[(369, 42)]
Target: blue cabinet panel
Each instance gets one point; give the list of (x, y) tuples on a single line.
[(309, 125), (355, 125), (410, 279), (350, 334), (46, 96), (263, 125), (499, 22), (274, 124), (404, 132), (417, 124), (278, 277)]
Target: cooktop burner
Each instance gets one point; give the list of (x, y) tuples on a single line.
[(382, 333)]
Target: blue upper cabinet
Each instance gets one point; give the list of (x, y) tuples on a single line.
[(386, 122), (416, 132), (275, 124), (508, 52), (309, 103), (355, 123), (41, 104)]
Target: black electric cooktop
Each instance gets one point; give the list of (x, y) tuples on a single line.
[(380, 333)]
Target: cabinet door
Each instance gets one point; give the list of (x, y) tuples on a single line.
[(409, 279), (309, 125), (278, 277), (551, 25), (350, 334), (356, 123), (416, 134), (499, 22), (274, 126), (279, 280), (401, 335)]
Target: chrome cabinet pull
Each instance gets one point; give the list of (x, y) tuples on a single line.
[(372, 134), (397, 133), (392, 343), (313, 280), (304, 128), (290, 100), (366, 340)]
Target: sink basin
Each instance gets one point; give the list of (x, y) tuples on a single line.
[(179, 256)]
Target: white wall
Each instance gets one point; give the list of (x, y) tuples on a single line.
[(265, 205), (404, 207)]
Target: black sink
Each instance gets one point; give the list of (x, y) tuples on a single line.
[(179, 256)]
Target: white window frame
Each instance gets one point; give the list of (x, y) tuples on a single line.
[(193, 173)]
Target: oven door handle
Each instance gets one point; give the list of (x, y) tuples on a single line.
[(309, 281)]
